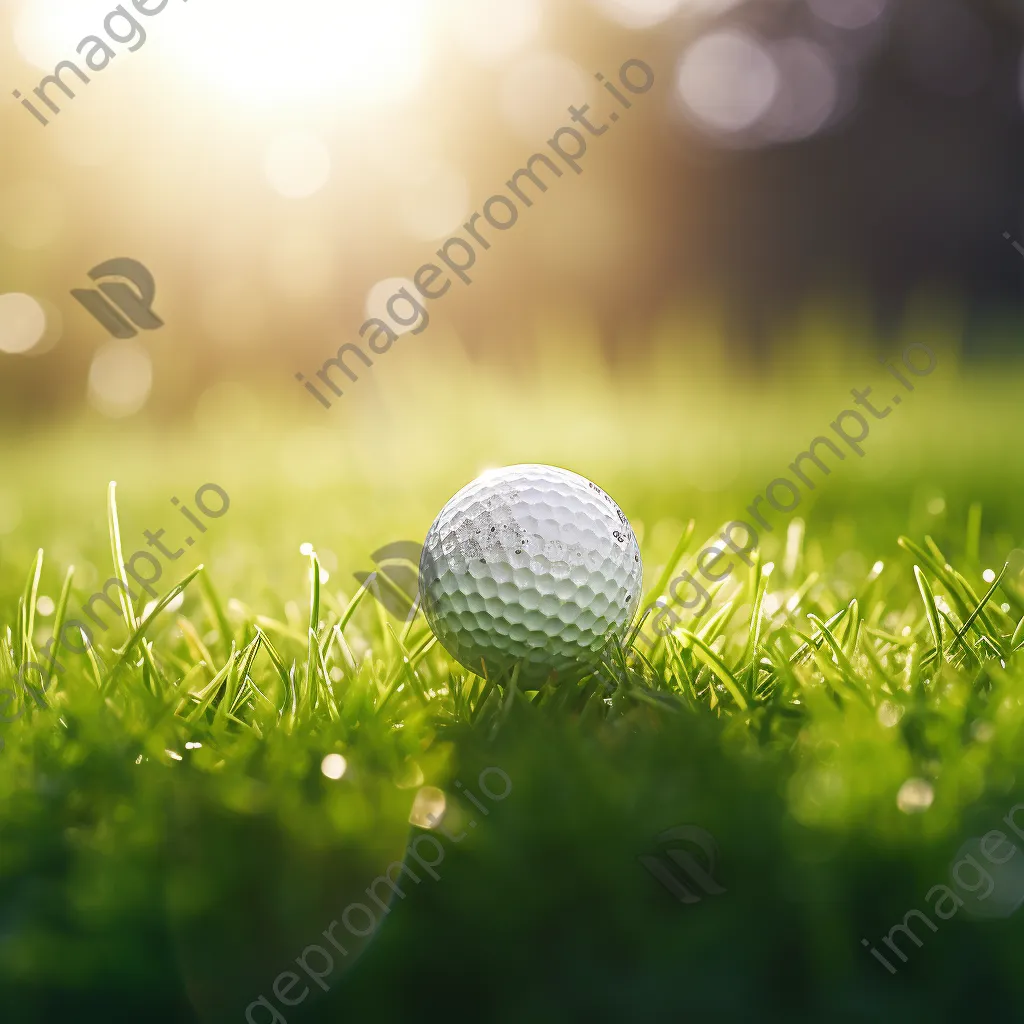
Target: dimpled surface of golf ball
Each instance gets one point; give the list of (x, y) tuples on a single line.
[(530, 564)]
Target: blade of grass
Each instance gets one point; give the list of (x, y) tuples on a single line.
[(814, 641), (144, 625), (314, 625), (213, 687), (248, 657), (717, 666), (846, 670), (969, 621), (58, 623), (28, 604), (749, 660), (930, 610), (939, 570), (852, 633), (1017, 642), (114, 529)]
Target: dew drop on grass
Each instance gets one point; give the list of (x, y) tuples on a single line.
[(427, 807), (889, 713), (333, 766), (982, 731), (915, 796)]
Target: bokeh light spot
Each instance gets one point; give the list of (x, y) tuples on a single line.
[(427, 807), (915, 796), (22, 322), (120, 378), (333, 766), (377, 303), (727, 80)]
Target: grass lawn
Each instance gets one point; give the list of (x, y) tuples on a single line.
[(172, 838)]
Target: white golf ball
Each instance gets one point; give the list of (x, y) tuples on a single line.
[(529, 564)]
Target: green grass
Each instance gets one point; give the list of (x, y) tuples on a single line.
[(144, 877)]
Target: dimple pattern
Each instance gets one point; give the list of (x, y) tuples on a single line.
[(529, 563)]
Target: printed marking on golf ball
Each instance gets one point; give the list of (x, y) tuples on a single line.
[(529, 563)]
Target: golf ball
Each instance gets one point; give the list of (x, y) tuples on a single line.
[(529, 564)]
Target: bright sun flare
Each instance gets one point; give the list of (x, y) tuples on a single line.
[(261, 53)]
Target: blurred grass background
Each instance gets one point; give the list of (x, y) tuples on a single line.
[(812, 185), (190, 890), (672, 438)]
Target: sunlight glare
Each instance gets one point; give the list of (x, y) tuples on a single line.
[(47, 31), (308, 51)]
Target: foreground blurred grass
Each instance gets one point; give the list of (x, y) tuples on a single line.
[(138, 886)]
